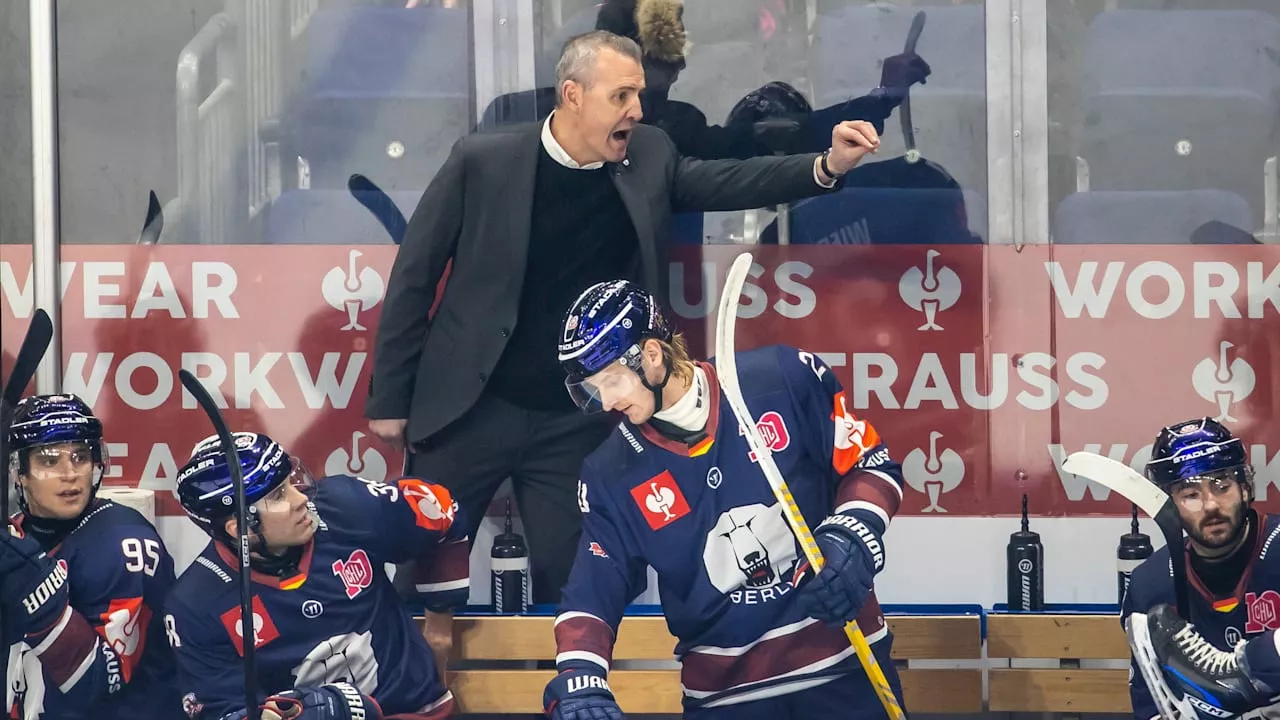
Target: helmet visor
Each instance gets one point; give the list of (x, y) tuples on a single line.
[(1193, 493), (604, 390)]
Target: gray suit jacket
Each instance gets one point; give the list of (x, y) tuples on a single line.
[(477, 212)]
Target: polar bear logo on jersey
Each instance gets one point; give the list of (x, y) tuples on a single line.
[(341, 658), (750, 546)]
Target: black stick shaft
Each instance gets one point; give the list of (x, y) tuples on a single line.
[(248, 631)]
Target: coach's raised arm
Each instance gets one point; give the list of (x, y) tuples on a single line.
[(531, 216)]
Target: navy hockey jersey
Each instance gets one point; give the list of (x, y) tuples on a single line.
[(108, 657), (1252, 609), (703, 516), (339, 618)]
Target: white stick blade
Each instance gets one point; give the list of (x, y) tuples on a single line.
[(1118, 477)]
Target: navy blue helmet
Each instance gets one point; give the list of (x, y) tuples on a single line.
[(1196, 449), (205, 489), (608, 323), (42, 420)]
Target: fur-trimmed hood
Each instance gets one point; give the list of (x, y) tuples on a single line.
[(656, 25)]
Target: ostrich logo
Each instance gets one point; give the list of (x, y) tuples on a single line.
[(930, 291), (1223, 383), (933, 474), (351, 289)]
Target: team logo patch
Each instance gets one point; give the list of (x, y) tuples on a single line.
[(264, 630), (433, 506), (192, 706), (1264, 611), (596, 550), (854, 438), (122, 626), (773, 431), (660, 500), (356, 573), (750, 553)]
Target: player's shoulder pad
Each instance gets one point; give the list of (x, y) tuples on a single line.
[(205, 580), (1270, 524), (111, 538), (1151, 582)]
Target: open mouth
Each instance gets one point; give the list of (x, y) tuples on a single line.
[(759, 573), (621, 136)]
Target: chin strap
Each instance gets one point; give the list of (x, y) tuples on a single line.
[(657, 389)]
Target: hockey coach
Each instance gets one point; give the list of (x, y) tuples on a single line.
[(530, 215)]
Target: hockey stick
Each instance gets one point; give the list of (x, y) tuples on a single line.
[(248, 630), (904, 110), (1155, 502), (34, 346), (30, 353), (154, 223), (727, 369), (378, 202)]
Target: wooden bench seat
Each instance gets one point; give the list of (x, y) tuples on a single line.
[(1067, 688), (494, 690)]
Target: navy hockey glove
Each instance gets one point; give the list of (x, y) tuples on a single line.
[(853, 553), (33, 586), (580, 693), (339, 701)]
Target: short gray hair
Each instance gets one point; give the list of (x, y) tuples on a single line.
[(578, 57)]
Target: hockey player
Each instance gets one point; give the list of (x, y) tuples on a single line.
[(82, 579), (676, 487), (1233, 583), (332, 638)]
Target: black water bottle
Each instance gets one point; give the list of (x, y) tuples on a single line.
[(1025, 567), (1134, 548), (509, 570)]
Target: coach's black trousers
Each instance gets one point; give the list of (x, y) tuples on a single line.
[(542, 453)]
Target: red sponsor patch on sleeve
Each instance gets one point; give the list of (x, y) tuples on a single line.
[(854, 438), (660, 500), (433, 506), (124, 628), (263, 627)]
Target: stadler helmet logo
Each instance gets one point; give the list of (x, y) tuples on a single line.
[(353, 290), (930, 291)]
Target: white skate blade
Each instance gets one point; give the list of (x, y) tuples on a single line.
[(1170, 706)]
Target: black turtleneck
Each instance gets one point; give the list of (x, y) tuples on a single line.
[(50, 532), (1220, 576), (281, 566)]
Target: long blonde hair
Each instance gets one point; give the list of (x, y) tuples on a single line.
[(678, 351)]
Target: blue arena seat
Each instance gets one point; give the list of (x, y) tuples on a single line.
[(1149, 218), (1179, 100), (948, 112), (385, 91), (884, 216), (329, 217)]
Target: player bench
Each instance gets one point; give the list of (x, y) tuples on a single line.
[(1035, 663), (485, 646)]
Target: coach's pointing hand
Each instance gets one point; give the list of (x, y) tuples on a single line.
[(851, 140)]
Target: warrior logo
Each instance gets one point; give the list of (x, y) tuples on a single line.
[(750, 547)]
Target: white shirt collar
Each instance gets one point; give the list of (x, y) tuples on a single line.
[(558, 153)]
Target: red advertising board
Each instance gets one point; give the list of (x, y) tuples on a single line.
[(980, 366)]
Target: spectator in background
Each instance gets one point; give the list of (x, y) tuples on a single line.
[(658, 27), (530, 217)]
